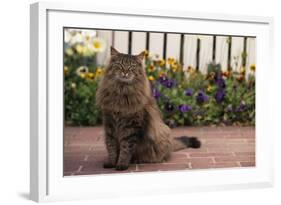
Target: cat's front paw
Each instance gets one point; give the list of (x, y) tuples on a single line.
[(108, 165), (121, 167)]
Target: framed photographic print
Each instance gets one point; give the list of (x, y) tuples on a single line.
[(173, 99)]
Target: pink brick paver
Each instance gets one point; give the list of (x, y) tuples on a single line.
[(222, 147)]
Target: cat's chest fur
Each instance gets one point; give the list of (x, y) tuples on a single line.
[(117, 122)]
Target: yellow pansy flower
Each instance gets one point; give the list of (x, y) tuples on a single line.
[(253, 67), (98, 44), (90, 76), (209, 88), (79, 49), (99, 72), (243, 70), (212, 75), (146, 53), (171, 61), (151, 78), (190, 69), (82, 71), (69, 51), (151, 68), (162, 62), (174, 66), (65, 69), (161, 73)]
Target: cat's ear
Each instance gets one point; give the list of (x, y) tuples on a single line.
[(113, 51), (141, 56)]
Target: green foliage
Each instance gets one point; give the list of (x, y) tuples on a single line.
[(184, 96)]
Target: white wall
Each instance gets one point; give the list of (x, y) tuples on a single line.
[(14, 103)]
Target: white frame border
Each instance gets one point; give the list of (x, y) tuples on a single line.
[(38, 83)]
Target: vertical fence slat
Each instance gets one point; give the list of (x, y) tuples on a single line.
[(206, 48), (198, 45), (214, 48), (130, 42), (251, 53), (156, 44), (139, 42), (221, 51), (236, 53), (107, 36), (147, 41), (229, 41), (121, 41), (165, 46), (244, 55), (190, 50), (173, 46), (182, 49), (113, 38)]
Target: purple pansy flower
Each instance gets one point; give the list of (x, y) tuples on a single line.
[(169, 107), (169, 83), (219, 96), (184, 108), (162, 79), (241, 107), (156, 93), (201, 97), (188, 92), (220, 81)]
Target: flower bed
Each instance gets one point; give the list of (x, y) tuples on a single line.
[(185, 96), (188, 97)]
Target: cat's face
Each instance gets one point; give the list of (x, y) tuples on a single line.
[(125, 68)]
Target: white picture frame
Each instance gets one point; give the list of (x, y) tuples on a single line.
[(46, 179)]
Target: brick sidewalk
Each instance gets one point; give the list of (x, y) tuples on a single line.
[(222, 147)]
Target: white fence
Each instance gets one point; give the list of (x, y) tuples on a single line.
[(192, 50)]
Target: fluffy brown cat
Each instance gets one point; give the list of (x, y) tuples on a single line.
[(134, 130)]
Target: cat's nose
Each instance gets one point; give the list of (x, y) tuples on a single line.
[(125, 74)]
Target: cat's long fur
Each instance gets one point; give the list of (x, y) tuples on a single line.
[(134, 129)]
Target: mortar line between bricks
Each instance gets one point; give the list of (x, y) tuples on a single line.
[(86, 157), (80, 168)]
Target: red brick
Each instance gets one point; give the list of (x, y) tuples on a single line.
[(200, 150), (71, 166), (244, 153), (225, 165), (234, 159), (162, 167), (209, 154), (221, 147), (248, 164)]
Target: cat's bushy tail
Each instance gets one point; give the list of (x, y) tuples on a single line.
[(185, 142)]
